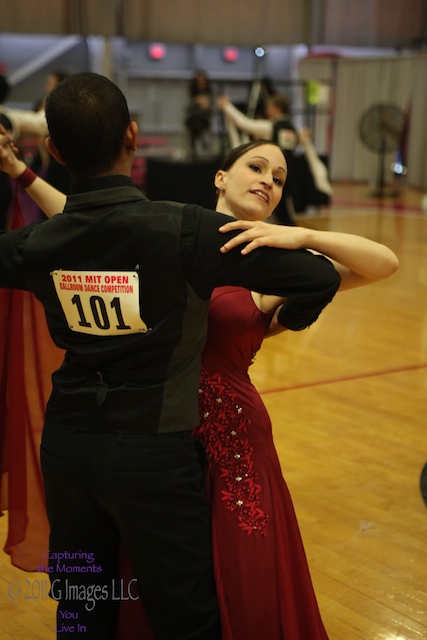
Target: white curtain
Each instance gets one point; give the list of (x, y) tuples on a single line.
[(359, 85), (323, 71)]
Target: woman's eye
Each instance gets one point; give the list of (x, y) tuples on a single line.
[(278, 181), (255, 167)]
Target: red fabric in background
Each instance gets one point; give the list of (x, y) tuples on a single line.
[(27, 359)]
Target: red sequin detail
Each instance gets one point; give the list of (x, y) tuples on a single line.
[(222, 430)]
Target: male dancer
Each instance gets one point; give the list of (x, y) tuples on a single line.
[(125, 284)]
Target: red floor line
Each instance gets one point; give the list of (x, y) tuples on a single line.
[(317, 383)]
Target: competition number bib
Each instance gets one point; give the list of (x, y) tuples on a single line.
[(100, 303)]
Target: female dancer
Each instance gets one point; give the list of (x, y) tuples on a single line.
[(263, 581)]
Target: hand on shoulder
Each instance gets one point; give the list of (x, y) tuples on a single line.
[(264, 234)]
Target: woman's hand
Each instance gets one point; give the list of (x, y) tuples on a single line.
[(222, 101), (9, 163), (263, 234), (304, 135)]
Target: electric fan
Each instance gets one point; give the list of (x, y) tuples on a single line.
[(381, 129)]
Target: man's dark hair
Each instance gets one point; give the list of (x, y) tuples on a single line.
[(87, 116), (4, 89)]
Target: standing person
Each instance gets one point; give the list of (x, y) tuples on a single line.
[(259, 559), (125, 284), (198, 118)]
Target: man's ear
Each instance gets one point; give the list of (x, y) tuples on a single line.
[(131, 135), (53, 150)]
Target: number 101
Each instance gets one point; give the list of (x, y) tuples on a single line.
[(100, 313)]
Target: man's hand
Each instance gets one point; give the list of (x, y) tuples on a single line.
[(263, 234)]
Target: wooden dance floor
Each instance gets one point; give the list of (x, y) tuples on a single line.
[(348, 402)]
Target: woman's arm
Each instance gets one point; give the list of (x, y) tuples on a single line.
[(27, 122), (257, 128), (234, 137), (359, 261), (50, 200), (317, 168)]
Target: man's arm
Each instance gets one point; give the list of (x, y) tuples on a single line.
[(307, 281), (12, 243)]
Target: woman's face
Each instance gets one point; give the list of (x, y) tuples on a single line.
[(252, 188)]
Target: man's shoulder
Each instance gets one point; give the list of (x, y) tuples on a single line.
[(166, 205)]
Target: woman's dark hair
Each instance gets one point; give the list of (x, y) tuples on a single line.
[(281, 102), (239, 151), (87, 116)]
